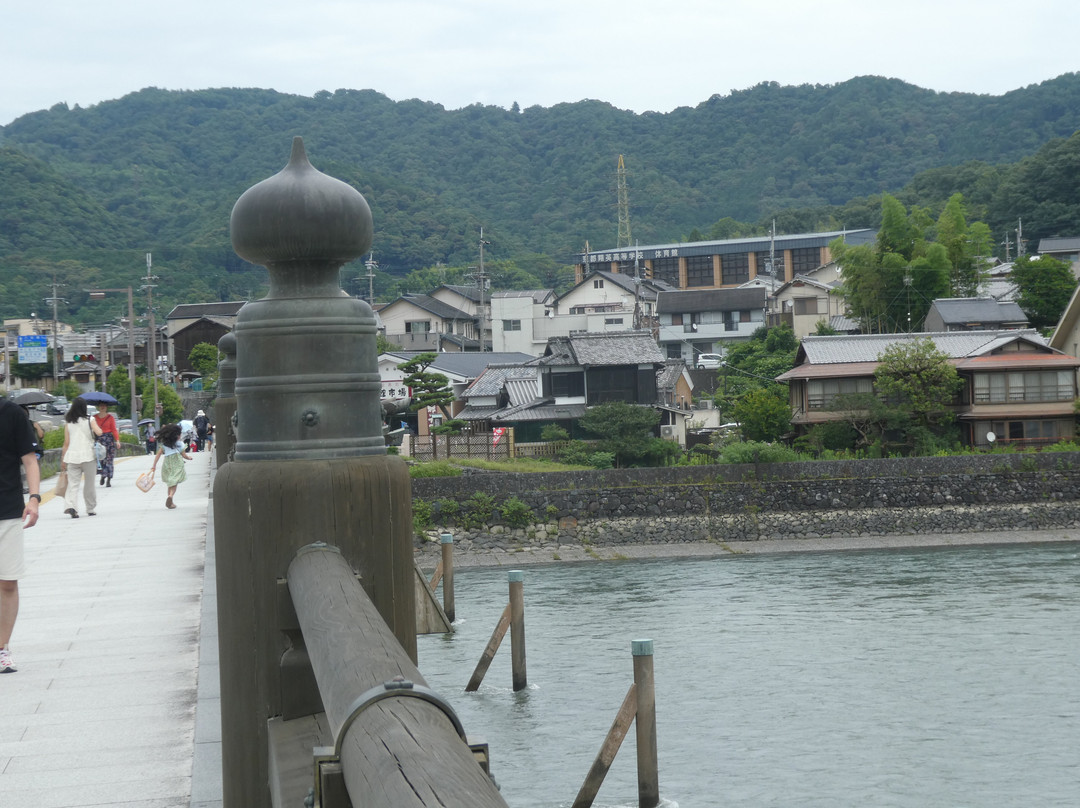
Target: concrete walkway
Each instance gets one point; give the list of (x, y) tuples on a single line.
[(112, 655)]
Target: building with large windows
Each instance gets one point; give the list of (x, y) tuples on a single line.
[(718, 264)]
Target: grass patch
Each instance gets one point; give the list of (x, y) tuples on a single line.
[(524, 465)]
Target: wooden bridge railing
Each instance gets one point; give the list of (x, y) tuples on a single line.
[(398, 743)]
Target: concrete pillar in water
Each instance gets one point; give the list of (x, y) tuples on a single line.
[(310, 462)]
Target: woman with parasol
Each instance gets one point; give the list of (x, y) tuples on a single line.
[(109, 434)]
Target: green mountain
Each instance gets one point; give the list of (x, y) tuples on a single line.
[(84, 193)]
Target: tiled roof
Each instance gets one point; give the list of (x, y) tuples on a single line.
[(692, 300), (1059, 244), (668, 375), (467, 292), (537, 295), (616, 348), (465, 365), (869, 347), (978, 310), (189, 310), (434, 306)]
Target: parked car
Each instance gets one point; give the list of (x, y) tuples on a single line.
[(710, 361), (58, 406), (124, 425)]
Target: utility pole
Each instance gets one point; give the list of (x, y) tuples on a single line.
[(371, 265), (481, 282), (152, 362), (56, 344), (624, 206), (1007, 244), (1020, 238)]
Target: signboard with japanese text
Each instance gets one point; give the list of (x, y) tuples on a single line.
[(33, 350)]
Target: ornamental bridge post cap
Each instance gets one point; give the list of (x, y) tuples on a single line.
[(301, 215)]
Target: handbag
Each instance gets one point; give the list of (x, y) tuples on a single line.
[(99, 448), (145, 481), (61, 483)]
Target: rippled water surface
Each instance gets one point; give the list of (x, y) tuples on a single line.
[(943, 677)]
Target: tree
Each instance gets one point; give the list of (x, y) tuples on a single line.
[(764, 414), (1045, 285), (428, 389), (754, 364), (204, 358), (623, 429), (917, 376)]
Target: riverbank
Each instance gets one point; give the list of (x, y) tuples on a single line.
[(429, 554)]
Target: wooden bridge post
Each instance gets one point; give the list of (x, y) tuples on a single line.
[(447, 542), (645, 724), (517, 629), (310, 459), (225, 403)]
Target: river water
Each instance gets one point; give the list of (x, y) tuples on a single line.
[(930, 677)]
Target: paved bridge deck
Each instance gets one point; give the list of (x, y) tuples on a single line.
[(115, 701)]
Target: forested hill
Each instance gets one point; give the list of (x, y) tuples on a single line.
[(159, 170)]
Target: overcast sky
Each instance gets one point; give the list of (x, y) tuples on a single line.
[(634, 54)]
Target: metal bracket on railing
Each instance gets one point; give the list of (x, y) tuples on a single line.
[(395, 688), (329, 789)]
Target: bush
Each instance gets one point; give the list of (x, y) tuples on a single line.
[(516, 513), (54, 439), (553, 433), (602, 460), (575, 453), (447, 510), (479, 508), (756, 452), (436, 468), (421, 515)]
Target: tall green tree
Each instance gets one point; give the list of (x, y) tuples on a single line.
[(764, 414), (920, 379), (204, 358), (1045, 286), (624, 429), (753, 365)]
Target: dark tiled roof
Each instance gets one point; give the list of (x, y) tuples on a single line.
[(615, 348), (693, 300), (1059, 244), (434, 306), (983, 310), (189, 310), (467, 292)]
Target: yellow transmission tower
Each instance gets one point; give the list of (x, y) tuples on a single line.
[(624, 207)]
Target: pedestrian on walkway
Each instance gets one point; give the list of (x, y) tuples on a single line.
[(110, 439), (202, 426), (151, 438), (78, 459), (173, 449), (16, 451)]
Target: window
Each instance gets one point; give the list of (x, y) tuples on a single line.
[(699, 270), (567, 385), (674, 350), (805, 259), (418, 327), (612, 384), (807, 305), (735, 268), (761, 259), (820, 393), (1032, 431), (1034, 385), (511, 325), (613, 320), (667, 270), (676, 319), (598, 283)]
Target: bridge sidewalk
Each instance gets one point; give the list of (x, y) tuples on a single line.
[(116, 647)]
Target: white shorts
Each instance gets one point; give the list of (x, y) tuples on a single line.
[(12, 567)]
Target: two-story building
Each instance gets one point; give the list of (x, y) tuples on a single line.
[(695, 322), (726, 263), (974, 314), (577, 372), (1016, 388)]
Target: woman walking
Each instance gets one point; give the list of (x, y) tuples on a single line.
[(172, 448), (77, 458), (110, 439)]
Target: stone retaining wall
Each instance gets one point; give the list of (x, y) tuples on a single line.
[(781, 501)]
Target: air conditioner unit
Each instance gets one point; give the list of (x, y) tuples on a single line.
[(667, 432)]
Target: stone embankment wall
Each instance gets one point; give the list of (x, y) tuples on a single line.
[(904, 496)]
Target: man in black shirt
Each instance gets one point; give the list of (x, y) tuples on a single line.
[(17, 449)]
